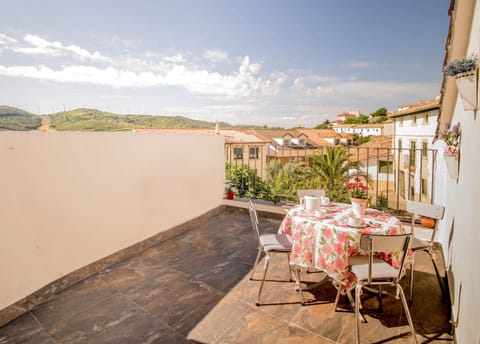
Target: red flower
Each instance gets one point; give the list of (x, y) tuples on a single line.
[(357, 189)]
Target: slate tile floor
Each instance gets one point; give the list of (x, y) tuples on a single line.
[(195, 288)]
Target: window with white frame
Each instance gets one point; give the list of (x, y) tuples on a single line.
[(253, 152), (238, 153)]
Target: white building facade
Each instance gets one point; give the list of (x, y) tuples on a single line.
[(360, 129), (414, 131)]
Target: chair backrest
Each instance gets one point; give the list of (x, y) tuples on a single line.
[(254, 218), (418, 209), (390, 244), (434, 211), (310, 192)]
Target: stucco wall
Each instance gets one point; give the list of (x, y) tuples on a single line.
[(68, 199), (462, 199)]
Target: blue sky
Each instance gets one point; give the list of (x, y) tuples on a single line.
[(274, 62)]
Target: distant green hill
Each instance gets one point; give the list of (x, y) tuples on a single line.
[(16, 119), (96, 120)]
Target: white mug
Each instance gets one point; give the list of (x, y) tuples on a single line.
[(311, 203), (355, 221)]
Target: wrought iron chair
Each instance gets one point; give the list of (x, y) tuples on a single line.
[(310, 192), (433, 211), (373, 271), (269, 243)]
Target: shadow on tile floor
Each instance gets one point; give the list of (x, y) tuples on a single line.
[(195, 288)]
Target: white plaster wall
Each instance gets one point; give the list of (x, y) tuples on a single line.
[(462, 202), (71, 198)]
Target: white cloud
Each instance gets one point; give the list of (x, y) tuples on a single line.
[(177, 58), (6, 40), (39, 46), (215, 55), (239, 84)]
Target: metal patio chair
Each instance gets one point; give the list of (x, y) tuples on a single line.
[(435, 212), (310, 192), (269, 243), (373, 271)]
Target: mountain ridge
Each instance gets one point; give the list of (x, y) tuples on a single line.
[(85, 119)]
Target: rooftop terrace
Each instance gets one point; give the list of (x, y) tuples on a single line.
[(195, 288)]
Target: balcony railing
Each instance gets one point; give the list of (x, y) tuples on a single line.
[(394, 175)]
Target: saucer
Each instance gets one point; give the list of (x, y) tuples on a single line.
[(361, 225), (355, 224)]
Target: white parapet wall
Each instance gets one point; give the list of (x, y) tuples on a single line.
[(68, 199)]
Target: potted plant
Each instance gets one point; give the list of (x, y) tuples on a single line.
[(451, 136), (229, 190), (466, 75), (358, 196)]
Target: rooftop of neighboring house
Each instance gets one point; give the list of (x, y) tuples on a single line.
[(231, 135), (320, 136), (242, 136), (419, 107), (273, 135), (365, 126), (349, 114), (377, 147)]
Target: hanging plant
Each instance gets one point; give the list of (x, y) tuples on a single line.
[(455, 67), (451, 135), (466, 75)]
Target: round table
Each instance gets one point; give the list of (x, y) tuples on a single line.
[(324, 242)]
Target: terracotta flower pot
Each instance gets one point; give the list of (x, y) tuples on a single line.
[(359, 205)]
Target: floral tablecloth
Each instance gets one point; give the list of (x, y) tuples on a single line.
[(325, 242)]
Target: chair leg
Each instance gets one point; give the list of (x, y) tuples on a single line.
[(289, 267), (410, 298), (407, 312), (358, 288), (337, 298), (256, 262), (299, 284), (379, 296), (267, 262)]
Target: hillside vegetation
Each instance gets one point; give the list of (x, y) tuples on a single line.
[(19, 120), (94, 120)]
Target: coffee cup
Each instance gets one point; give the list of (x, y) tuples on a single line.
[(320, 213), (311, 203), (325, 201), (355, 221)]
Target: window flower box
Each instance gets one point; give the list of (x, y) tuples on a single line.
[(465, 72), (452, 135), (467, 85), (451, 160)]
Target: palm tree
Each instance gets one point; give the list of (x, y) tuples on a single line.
[(332, 168)]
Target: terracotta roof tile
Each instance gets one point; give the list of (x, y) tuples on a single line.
[(417, 107)]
